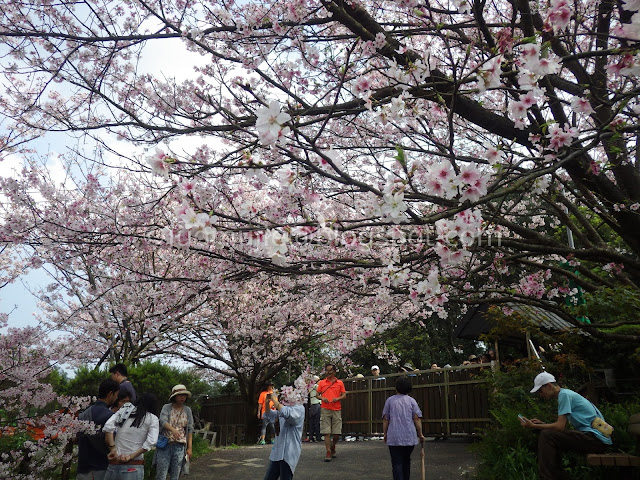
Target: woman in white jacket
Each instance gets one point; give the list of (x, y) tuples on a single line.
[(137, 427)]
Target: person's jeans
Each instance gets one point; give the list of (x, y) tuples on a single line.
[(551, 444), (92, 475), (314, 422), (169, 460), (278, 470), (125, 472), (401, 461), (266, 423)]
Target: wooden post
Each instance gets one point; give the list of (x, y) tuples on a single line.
[(447, 415), (370, 395)]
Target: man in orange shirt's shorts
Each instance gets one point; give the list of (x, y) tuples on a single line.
[(330, 392)]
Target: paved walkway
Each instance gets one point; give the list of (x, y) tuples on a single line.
[(445, 459)]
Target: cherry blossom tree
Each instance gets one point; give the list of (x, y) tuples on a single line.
[(415, 153), (388, 142), (254, 330), (27, 356), (119, 293)]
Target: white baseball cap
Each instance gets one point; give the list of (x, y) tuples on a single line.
[(542, 379), (375, 367)]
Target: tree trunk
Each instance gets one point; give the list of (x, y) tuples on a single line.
[(251, 424), (249, 393)]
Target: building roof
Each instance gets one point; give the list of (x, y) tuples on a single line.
[(474, 323)]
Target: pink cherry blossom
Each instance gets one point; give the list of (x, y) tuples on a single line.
[(581, 105), (270, 121)]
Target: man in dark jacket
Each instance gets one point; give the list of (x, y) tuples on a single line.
[(92, 449)]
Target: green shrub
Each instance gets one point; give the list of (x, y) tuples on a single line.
[(200, 446), (84, 383)]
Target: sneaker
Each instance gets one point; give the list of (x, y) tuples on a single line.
[(272, 441), (333, 451), (327, 458), (262, 442)]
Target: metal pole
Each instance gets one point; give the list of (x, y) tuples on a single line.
[(569, 232)]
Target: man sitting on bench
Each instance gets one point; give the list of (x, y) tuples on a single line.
[(555, 437)]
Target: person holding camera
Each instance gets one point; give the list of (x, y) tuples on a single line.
[(288, 444), (555, 437)]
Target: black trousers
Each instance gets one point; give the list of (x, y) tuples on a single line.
[(401, 461), (552, 443), (314, 422)]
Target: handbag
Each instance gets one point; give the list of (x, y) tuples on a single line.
[(599, 424), (162, 442), (603, 427)]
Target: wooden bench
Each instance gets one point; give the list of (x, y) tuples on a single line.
[(620, 459), (206, 433)]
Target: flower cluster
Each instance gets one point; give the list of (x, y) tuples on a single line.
[(559, 15), (299, 392), (269, 123), (454, 236), (160, 162), (561, 136)]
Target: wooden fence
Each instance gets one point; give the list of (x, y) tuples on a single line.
[(454, 402), (225, 416)]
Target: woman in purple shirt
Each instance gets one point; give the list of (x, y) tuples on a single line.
[(402, 428)]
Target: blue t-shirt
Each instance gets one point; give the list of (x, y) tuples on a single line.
[(580, 412)]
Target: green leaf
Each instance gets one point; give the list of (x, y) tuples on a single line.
[(400, 157)]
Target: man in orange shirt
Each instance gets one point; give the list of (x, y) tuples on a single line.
[(330, 392), (262, 407)]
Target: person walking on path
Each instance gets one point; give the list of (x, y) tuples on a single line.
[(554, 437), (119, 374), (138, 429), (314, 412), (331, 392), (288, 444), (262, 408), (92, 450), (402, 428), (176, 423)]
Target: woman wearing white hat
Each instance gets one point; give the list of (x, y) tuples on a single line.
[(176, 423)]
